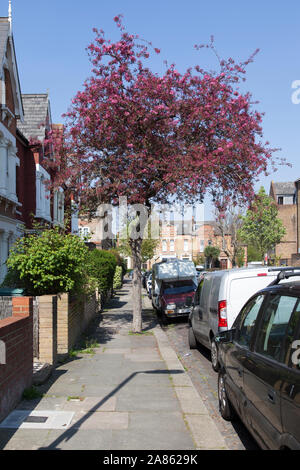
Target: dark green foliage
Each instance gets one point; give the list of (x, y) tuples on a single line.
[(118, 278), (102, 265), (48, 263), (120, 260)]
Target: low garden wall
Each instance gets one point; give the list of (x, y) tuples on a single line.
[(16, 354), (61, 321)]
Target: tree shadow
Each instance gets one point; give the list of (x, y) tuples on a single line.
[(69, 433), (6, 434)]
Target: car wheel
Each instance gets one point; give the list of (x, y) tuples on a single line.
[(192, 339), (225, 406), (214, 356)]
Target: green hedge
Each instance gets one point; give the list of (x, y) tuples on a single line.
[(118, 278), (102, 266)]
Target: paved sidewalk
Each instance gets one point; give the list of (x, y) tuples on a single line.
[(131, 393)]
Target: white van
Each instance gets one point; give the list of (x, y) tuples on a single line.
[(218, 300)]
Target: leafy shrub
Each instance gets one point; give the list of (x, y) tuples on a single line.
[(118, 277), (101, 266), (48, 263), (12, 280)]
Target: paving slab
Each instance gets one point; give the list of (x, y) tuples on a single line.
[(83, 439), (90, 404), (100, 420)]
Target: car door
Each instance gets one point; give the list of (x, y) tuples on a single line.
[(265, 372), (290, 392), (236, 352)]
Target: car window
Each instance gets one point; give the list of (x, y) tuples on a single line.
[(205, 291), (291, 347), (247, 320), (198, 293), (273, 334), (214, 293)]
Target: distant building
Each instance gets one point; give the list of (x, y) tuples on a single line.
[(188, 240), (98, 230), (285, 197)]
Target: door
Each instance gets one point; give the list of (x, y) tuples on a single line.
[(265, 372), (238, 350), (290, 392)]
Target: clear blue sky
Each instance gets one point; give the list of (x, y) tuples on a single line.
[(51, 37)]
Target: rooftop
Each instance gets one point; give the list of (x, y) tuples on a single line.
[(36, 116)]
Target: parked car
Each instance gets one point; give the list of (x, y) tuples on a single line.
[(219, 298), (259, 377), (149, 285), (145, 277)]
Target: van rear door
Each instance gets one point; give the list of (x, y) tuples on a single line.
[(241, 288)]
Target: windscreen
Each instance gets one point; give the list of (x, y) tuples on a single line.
[(178, 287)]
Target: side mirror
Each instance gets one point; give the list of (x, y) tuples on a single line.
[(225, 336)]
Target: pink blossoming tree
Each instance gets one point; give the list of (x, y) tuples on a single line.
[(151, 138)]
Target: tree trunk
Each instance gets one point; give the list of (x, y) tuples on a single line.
[(136, 248)]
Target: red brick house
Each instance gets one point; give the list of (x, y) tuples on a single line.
[(48, 208), (285, 197)]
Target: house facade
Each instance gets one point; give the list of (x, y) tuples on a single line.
[(98, 230), (285, 197), (36, 126), (187, 241), (25, 122), (11, 111)]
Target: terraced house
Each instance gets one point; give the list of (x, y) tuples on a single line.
[(25, 121), (11, 112)]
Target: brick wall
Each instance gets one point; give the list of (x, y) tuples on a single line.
[(62, 319), (47, 324), (288, 245), (16, 372), (74, 315)]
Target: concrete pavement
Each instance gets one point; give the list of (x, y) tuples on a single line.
[(129, 392)]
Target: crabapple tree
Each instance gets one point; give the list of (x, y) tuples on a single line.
[(152, 138)]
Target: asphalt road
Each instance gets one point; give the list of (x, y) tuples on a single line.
[(198, 365)]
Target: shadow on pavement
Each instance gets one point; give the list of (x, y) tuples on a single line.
[(7, 434), (76, 427)]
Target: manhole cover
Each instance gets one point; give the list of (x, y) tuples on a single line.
[(36, 419)]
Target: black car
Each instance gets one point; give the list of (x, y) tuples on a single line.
[(259, 377), (145, 276)]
